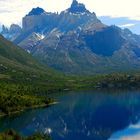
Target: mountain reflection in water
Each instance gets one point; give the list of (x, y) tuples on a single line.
[(85, 115)]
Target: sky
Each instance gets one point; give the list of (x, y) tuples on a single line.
[(12, 11), (123, 22)]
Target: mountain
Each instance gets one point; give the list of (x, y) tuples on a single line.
[(12, 33), (76, 41), (36, 11), (77, 7), (39, 20), (43, 22)]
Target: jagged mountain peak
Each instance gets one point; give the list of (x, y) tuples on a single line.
[(14, 28), (77, 7), (4, 29), (36, 11)]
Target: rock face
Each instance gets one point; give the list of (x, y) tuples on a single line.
[(12, 33), (39, 20), (4, 30), (77, 7), (101, 44), (36, 11), (31, 41), (15, 29), (75, 41)]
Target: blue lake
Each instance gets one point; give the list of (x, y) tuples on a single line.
[(85, 115)]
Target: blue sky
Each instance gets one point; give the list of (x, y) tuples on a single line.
[(123, 22), (125, 13)]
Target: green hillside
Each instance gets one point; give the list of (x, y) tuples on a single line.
[(17, 66), (13, 58), (22, 78)]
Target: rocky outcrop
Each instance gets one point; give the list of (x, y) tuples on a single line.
[(36, 11), (12, 33), (14, 29), (4, 30), (39, 21), (77, 8)]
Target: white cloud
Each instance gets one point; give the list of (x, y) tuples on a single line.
[(127, 25), (12, 11)]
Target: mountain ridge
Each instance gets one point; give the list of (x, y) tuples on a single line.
[(36, 11), (77, 7), (76, 41)]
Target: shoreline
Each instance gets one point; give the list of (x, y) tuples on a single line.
[(28, 108)]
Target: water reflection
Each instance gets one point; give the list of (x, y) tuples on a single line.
[(130, 133), (83, 116)]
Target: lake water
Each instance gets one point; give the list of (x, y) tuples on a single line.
[(86, 115)]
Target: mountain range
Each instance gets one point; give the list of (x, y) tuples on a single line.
[(76, 41)]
